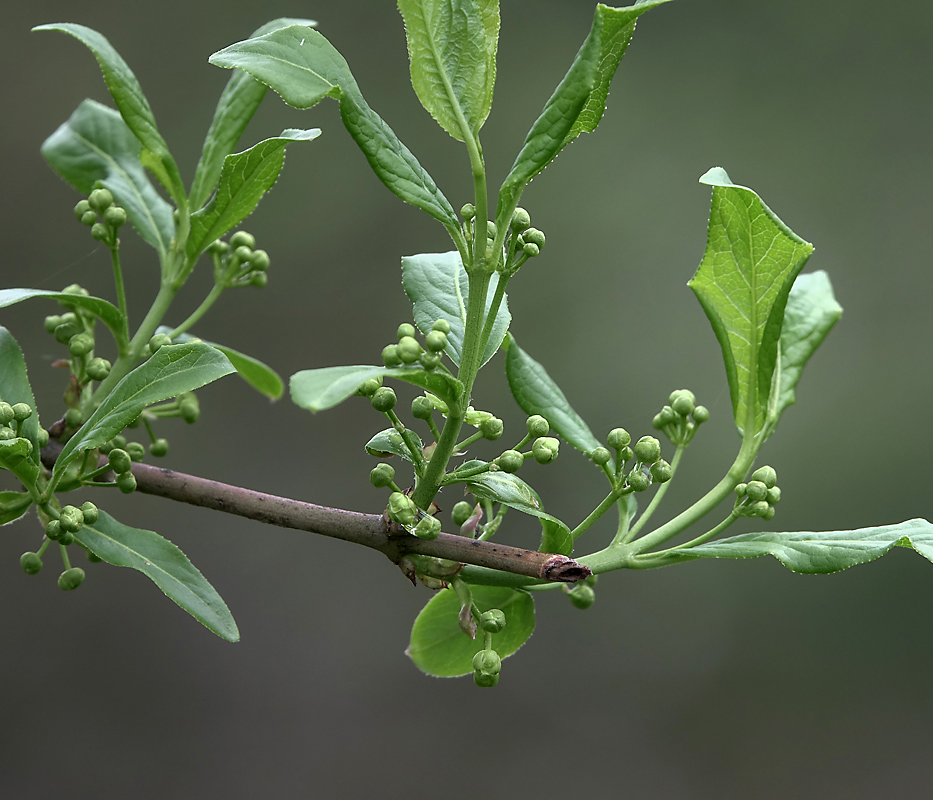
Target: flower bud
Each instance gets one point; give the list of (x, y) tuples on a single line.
[(66, 330), (67, 539), (31, 563), (136, 451), (683, 401), (537, 425), (638, 481), (402, 509), (243, 239), (421, 407), (491, 428), (740, 489), (81, 344), (648, 449), (485, 681), (72, 519), (700, 414), (487, 662), (759, 509), (368, 388), (390, 356), (429, 360), (51, 323), (661, 471), (491, 229), (533, 236), (126, 482), (115, 217), (769, 514), (581, 596), (6, 413), (98, 368), (43, 437), (436, 341), (74, 418), (218, 247), (82, 208), (461, 512), (530, 249), (71, 578), (544, 450), (428, 528), (441, 325), (100, 200), (100, 231), (520, 220), (408, 349), (258, 279), (510, 461), (382, 475), (21, 411), (190, 409), (756, 490), (53, 530), (766, 475), (600, 456), (89, 218), (7, 434), (242, 254), (89, 512), (618, 438), (384, 399), (405, 329), (468, 211), (159, 340), (159, 448), (120, 461), (774, 495), (259, 259), (492, 621)]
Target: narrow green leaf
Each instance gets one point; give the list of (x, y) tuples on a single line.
[(174, 369), (94, 145), (244, 179), (130, 100), (165, 565), (13, 505), (452, 49), (820, 552), (304, 68), (743, 281), (15, 388), (390, 443), (439, 288), (320, 389), (439, 646), (108, 313), (238, 102), (579, 101)]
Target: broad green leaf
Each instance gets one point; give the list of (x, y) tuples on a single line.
[(536, 393), (244, 179), (173, 369), (131, 103), (238, 102), (261, 377), (743, 281), (452, 49), (16, 456), (15, 388), (439, 646), (439, 288), (320, 389), (810, 313), (108, 313), (512, 491), (163, 563), (823, 551), (579, 101), (304, 68), (13, 505), (390, 442), (94, 145)]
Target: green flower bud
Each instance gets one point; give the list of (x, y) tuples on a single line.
[(428, 528), (405, 329), (756, 490), (74, 288), (581, 596), (31, 563), (402, 509), (115, 217), (72, 519), (740, 489), (544, 450), (368, 388), (537, 425), (242, 254), (100, 231), (100, 200), (6, 413), (618, 438), (774, 495), (485, 681), (82, 208), (53, 530), (384, 399), (89, 512), (759, 509), (626, 454), (533, 236), (436, 341), (98, 368), (488, 662), (159, 448), (190, 409), (136, 451), (74, 418), (530, 249), (421, 408), (65, 331), (81, 344), (700, 414), (382, 475), (67, 539), (71, 579), (491, 229), (118, 441), (7, 434), (259, 259), (683, 401), (769, 514), (648, 449), (22, 411), (51, 323), (126, 482), (243, 239), (639, 481), (120, 461), (600, 456), (510, 461), (520, 220), (468, 211), (390, 356), (258, 279), (441, 325), (43, 437), (93, 557), (159, 340), (89, 218), (461, 512), (766, 475), (408, 349), (491, 428), (661, 471), (492, 621), (218, 247)]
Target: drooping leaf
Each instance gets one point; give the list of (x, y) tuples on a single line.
[(438, 645), (13, 505), (579, 101), (320, 389), (131, 103), (452, 49), (173, 369), (235, 108), (165, 565), (15, 388), (108, 313), (95, 144), (244, 179), (390, 442), (743, 281), (439, 288), (820, 552), (304, 68)]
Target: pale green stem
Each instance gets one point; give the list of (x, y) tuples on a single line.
[(655, 501), (123, 339), (199, 312), (663, 558), (410, 444), (597, 512), (493, 312)]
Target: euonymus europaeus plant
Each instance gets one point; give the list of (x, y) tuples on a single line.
[(129, 383)]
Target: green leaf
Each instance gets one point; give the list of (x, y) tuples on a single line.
[(743, 281), (304, 68), (15, 456), (15, 388), (390, 442), (131, 103), (245, 178), (108, 313), (238, 102), (165, 565), (512, 491), (13, 505), (579, 101), (439, 646), (174, 369), (261, 377), (320, 389), (439, 288), (94, 145), (536, 393), (810, 314), (823, 551), (452, 49)]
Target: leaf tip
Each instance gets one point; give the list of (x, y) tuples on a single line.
[(716, 176)]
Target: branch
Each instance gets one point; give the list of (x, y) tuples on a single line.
[(370, 530)]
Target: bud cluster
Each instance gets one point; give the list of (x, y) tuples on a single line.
[(238, 262), (101, 215), (409, 350), (74, 329), (648, 468), (759, 496), (62, 530), (544, 448), (12, 418), (487, 665), (679, 420)]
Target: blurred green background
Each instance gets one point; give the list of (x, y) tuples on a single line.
[(711, 680)]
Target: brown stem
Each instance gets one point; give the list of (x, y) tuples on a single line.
[(370, 530)]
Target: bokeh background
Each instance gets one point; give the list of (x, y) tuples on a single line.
[(711, 680)]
